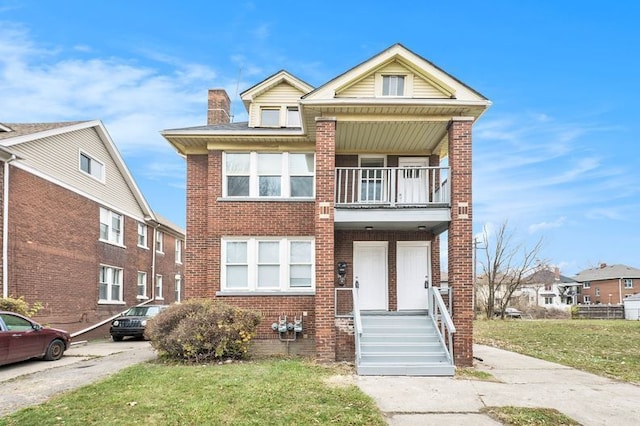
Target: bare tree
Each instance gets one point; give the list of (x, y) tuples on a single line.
[(505, 264)]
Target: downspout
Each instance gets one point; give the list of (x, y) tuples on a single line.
[(153, 262), (5, 227)]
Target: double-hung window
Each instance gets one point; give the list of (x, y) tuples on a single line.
[(159, 294), (268, 264), (142, 285), (178, 251), (160, 241), (628, 283), (142, 235), (111, 226), (269, 175), (91, 166), (586, 284), (270, 117), (110, 284), (293, 117), (178, 290), (393, 85)]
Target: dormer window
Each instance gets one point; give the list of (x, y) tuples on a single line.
[(393, 85), (293, 117), (270, 117)]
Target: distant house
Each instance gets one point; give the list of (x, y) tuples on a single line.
[(609, 284), (349, 185), (77, 234), (549, 289)]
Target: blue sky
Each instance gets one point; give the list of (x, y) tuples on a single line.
[(557, 155)]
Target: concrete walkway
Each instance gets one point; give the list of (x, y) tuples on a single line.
[(524, 381)]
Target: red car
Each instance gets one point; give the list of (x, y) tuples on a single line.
[(22, 339)]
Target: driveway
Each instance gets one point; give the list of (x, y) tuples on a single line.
[(33, 382)]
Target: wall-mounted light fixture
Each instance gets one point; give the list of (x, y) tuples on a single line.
[(422, 228), (368, 228)]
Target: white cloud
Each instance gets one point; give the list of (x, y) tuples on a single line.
[(547, 225)]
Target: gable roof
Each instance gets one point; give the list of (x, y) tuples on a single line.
[(607, 272), (270, 82), (546, 276), (22, 133), (421, 66)]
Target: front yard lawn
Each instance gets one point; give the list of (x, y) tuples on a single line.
[(271, 392), (609, 348)]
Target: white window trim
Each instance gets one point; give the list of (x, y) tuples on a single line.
[(586, 299), (276, 108), (110, 214), (408, 84), (628, 283), (159, 241), (283, 115), (286, 116), (254, 186), (109, 284), (586, 284), (143, 296), (178, 251), (159, 287), (100, 179), (178, 288), (252, 262), (146, 235)]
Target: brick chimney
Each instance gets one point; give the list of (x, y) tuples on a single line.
[(556, 273), (219, 109)]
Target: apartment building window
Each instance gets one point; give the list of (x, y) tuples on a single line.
[(91, 166), (111, 226), (547, 287), (587, 300), (178, 290), (142, 285), (270, 117), (160, 241), (142, 235), (393, 85), (159, 294), (267, 264), (269, 175), (548, 300), (372, 179), (628, 283), (586, 284), (597, 291), (110, 285), (178, 251)]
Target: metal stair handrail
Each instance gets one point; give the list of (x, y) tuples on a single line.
[(440, 316), (357, 320)]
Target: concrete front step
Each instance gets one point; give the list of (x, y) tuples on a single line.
[(422, 369), (400, 347)]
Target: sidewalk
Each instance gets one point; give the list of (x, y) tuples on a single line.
[(524, 381)]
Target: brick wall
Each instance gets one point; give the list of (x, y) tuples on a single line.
[(196, 252), (460, 240), (608, 287)]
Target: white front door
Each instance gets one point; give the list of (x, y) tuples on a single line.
[(370, 271), (413, 270), (413, 183)]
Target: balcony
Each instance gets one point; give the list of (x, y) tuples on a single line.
[(392, 198)]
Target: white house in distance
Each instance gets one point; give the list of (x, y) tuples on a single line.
[(549, 289)]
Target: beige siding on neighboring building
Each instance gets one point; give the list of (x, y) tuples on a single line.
[(59, 157), (365, 88)]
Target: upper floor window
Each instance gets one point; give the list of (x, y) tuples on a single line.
[(267, 264), (270, 117), (178, 290), (178, 251), (393, 85), (142, 285), (111, 226), (293, 117), (110, 284), (547, 287), (628, 283), (597, 291), (142, 235), (586, 284), (91, 166), (269, 175), (160, 241)]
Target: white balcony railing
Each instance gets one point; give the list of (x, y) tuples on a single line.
[(391, 186)]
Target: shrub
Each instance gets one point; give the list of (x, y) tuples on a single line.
[(202, 330), (19, 306)]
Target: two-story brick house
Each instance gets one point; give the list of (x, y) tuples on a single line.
[(327, 207), (77, 234), (608, 284)]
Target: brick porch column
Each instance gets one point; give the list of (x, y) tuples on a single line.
[(461, 239), (325, 181)]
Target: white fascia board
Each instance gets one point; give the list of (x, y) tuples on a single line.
[(274, 132), (393, 102)]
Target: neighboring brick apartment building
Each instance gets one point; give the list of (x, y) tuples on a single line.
[(608, 284), (77, 234), (324, 188)]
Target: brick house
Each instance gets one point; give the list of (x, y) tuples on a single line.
[(77, 234), (325, 210), (608, 284)]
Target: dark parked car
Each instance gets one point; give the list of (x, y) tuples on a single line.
[(22, 338), (133, 322)]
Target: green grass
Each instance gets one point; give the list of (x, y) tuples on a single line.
[(521, 416), (609, 348), (271, 392)]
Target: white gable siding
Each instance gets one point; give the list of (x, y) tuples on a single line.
[(278, 96), (423, 89), (58, 157), (365, 88)]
